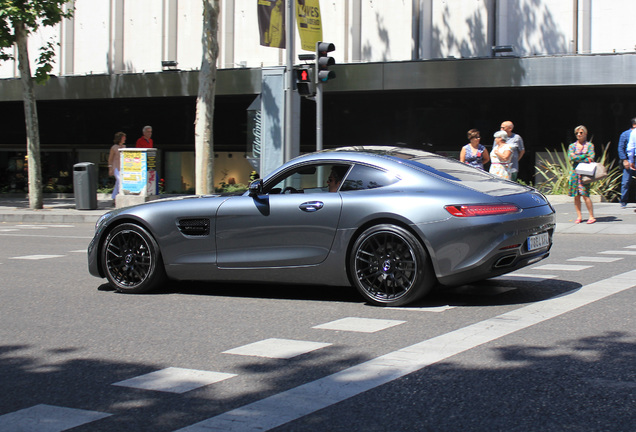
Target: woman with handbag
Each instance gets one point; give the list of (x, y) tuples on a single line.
[(580, 151)]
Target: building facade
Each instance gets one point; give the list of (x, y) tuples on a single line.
[(412, 72)]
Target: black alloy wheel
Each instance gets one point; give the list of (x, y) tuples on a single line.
[(131, 259), (390, 267)]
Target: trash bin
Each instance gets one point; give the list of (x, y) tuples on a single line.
[(85, 186)]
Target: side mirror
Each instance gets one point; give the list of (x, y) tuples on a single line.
[(256, 187)]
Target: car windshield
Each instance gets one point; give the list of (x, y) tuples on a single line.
[(446, 168)]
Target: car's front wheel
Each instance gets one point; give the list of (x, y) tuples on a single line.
[(390, 267), (131, 259)]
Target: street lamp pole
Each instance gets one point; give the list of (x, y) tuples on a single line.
[(289, 88)]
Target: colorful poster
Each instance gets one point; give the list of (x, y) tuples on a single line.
[(134, 171)]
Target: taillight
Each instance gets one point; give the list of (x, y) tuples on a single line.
[(470, 210)]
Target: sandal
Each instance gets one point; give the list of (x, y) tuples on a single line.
[(591, 221), (578, 221)]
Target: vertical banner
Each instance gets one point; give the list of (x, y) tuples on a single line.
[(271, 23), (309, 23)]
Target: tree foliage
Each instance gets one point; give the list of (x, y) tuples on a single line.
[(18, 19), (31, 14)]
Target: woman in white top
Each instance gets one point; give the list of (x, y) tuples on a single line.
[(500, 157)]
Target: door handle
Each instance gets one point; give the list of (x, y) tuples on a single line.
[(311, 206)]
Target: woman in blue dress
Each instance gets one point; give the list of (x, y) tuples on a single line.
[(474, 153)]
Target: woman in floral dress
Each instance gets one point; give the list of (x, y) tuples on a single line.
[(580, 151)]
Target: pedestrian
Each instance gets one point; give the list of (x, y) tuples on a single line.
[(335, 177), (114, 164), (474, 153), (516, 145), (145, 141), (500, 164), (580, 151), (628, 170)]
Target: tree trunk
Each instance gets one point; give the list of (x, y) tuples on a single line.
[(203, 136), (31, 119)]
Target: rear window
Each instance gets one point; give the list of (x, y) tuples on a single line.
[(364, 177), (445, 168), (455, 171)]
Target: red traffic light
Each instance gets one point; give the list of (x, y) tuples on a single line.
[(302, 75)]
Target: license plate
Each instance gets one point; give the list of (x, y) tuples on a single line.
[(538, 241)]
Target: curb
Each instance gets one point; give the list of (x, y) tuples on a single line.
[(51, 216)]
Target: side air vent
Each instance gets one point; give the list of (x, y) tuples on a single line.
[(194, 227)]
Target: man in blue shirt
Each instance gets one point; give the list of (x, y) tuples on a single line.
[(624, 160), (631, 148)]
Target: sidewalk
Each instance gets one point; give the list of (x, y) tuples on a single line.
[(56, 210), (611, 219)]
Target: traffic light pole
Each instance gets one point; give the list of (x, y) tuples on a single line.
[(322, 74), (319, 106)]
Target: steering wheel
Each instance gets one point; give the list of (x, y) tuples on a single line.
[(290, 189)]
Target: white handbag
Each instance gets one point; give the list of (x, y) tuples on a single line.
[(586, 169)]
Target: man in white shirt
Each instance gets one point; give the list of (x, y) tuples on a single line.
[(516, 144)]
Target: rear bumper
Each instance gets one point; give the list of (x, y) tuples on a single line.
[(496, 266)]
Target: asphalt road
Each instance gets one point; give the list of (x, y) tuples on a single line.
[(551, 347)]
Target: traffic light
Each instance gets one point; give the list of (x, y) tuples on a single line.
[(304, 83), (323, 61)]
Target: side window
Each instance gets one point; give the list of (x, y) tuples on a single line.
[(308, 179), (363, 177)]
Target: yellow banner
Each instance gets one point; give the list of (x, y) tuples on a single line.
[(271, 22), (309, 23)]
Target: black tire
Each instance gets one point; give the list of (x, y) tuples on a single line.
[(131, 260), (390, 267)]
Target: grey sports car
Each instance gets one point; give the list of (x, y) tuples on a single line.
[(393, 222)]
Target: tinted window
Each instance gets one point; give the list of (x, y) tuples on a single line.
[(363, 177), (312, 178)]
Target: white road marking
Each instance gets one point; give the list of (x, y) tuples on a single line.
[(277, 348), (526, 277), (613, 252), (300, 401), (47, 418), (44, 226), (175, 380), (362, 325), (37, 257), (564, 267), (435, 309), (594, 259), (47, 236)]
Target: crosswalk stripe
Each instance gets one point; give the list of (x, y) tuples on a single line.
[(614, 252), (48, 418), (594, 259), (36, 257), (564, 267)]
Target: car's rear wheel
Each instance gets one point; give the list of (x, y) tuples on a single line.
[(390, 267), (131, 259)]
